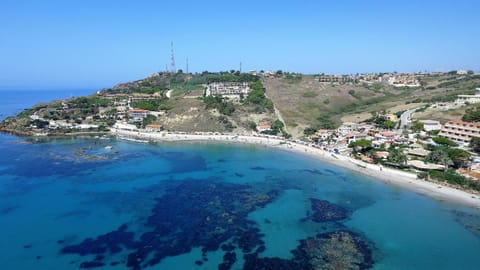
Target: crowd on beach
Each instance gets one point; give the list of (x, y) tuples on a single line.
[(387, 175)]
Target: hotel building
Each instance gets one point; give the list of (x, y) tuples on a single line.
[(460, 131)]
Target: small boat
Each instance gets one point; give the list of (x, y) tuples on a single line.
[(108, 147)]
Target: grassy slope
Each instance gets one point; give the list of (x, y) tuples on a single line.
[(301, 103)]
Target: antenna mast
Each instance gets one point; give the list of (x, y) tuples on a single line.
[(172, 63), (187, 65)]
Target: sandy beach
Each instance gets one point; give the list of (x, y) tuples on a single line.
[(387, 175)]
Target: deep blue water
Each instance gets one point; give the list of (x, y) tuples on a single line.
[(71, 203)]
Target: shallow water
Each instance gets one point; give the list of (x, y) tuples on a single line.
[(202, 205)]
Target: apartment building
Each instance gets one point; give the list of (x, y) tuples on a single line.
[(460, 131), (227, 88)]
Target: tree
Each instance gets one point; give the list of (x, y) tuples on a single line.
[(309, 131), (397, 156), (472, 115), (444, 141), (361, 145), (459, 157), (417, 126), (148, 120), (440, 155), (389, 124), (475, 144), (277, 124)]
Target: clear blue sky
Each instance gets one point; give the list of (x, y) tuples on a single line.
[(99, 43)]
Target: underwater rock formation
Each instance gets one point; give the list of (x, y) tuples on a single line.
[(324, 211), (194, 213), (328, 251)]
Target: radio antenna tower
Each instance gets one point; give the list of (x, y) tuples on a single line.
[(187, 65), (172, 58)]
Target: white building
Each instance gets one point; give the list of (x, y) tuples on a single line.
[(137, 115), (227, 89), (462, 99), (429, 125), (347, 127), (125, 126)]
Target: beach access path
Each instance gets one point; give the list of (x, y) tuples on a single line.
[(387, 175)]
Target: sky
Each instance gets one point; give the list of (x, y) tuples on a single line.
[(92, 44)]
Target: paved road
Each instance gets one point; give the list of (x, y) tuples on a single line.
[(405, 117)]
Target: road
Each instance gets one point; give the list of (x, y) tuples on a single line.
[(405, 117)]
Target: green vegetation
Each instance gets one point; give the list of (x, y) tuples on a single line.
[(325, 122), (277, 127), (362, 145), (293, 77), (465, 82), (451, 177), (153, 105), (257, 97), (389, 124), (309, 94), (382, 121), (90, 102), (396, 156), (446, 156), (150, 119), (472, 115), (309, 131), (417, 126), (376, 87), (475, 144), (219, 103), (352, 93), (444, 141), (252, 125), (228, 125), (459, 157)]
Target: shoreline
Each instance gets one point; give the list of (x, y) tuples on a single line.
[(387, 175)]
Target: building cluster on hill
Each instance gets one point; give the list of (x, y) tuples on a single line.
[(336, 79), (227, 88), (394, 79), (471, 99), (427, 146)]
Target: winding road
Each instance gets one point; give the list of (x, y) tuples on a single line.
[(405, 117)]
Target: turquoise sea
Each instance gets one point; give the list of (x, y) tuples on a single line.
[(74, 204)]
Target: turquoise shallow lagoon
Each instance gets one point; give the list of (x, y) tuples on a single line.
[(71, 204)]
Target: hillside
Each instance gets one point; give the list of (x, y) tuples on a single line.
[(305, 102), (299, 101)]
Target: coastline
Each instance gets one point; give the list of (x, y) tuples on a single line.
[(386, 175)]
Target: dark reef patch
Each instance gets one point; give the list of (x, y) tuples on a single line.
[(468, 220), (313, 171), (324, 211), (258, 168), (71, 159), (335, 250), (192, 213)]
